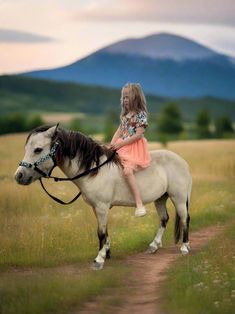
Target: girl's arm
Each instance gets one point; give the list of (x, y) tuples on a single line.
[(139, 134), (116, 136)]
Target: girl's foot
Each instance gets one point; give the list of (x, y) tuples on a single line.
[(140, 211)]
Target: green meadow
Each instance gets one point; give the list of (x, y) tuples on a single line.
[(204, 283), (46, 249)]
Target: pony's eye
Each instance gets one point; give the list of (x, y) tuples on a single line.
[(38, 150)]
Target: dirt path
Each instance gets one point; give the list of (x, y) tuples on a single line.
[(146, 276)]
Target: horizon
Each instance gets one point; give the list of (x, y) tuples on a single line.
[(49, 35), (126, 39)]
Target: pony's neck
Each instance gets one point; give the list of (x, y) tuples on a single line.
[(77, 152), (70, 168)]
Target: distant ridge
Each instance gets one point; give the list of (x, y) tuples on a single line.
[(27, 95), (161, 46), (165, 64)]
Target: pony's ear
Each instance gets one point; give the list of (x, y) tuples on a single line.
[(57, 126), (52, 131)]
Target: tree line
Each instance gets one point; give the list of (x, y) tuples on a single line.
[(170, 122), (166, 125), (19, 122), (169, 125)]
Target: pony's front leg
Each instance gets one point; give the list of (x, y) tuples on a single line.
[(104, 242), (160, 205)]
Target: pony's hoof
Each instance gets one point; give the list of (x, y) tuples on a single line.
[(97, 266), (151, 249), (184, 249)]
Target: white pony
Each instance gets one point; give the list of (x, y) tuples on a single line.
[(167, 176)]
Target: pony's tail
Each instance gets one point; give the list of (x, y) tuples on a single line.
[(178, 228)]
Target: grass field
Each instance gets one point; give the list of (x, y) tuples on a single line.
[(41, 241), (207, 280)]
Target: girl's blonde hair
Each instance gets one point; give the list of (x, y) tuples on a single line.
[(137, 101)]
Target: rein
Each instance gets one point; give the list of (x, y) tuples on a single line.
[(51, 155)]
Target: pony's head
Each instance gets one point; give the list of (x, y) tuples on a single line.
[(38, 155)]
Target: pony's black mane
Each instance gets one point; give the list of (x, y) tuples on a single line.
[(74, 144)]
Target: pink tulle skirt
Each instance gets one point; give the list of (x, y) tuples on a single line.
[(134, 155)]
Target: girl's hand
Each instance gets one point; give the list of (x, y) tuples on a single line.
[(116, 146)]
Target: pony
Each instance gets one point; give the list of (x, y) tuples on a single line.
[(168, 176)]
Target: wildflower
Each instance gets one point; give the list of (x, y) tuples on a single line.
[(198, 285), (68, 216), (216, 303), (207, 266)]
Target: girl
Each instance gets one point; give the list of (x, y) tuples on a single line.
[(129, 140)]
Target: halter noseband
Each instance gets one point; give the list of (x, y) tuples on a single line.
[(35, 165)]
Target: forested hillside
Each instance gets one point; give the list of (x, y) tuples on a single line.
[(21, 94)]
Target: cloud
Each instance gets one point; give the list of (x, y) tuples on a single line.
[(14, 36), (177, 11), (40, 18)]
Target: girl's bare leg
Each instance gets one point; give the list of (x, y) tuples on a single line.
[(130, 177)]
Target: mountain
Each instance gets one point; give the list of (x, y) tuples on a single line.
[(161, 46), (165, 64)]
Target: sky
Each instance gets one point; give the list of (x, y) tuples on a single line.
[(51, 33)]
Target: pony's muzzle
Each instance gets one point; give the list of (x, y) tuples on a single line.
[(21, 178), (18, 176)]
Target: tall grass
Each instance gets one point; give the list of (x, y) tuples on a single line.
[(204, 283), (36, 232), (60, 291)]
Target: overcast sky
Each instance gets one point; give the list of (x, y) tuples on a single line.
[(49, 33)]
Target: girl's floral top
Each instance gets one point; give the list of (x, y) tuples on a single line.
[(131, 121)]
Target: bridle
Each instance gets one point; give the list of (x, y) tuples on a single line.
[(52, 155)]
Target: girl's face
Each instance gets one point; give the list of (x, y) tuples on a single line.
[(126, 97)]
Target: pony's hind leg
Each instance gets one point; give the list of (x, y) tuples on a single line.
[(182, 224), (160, 205)]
